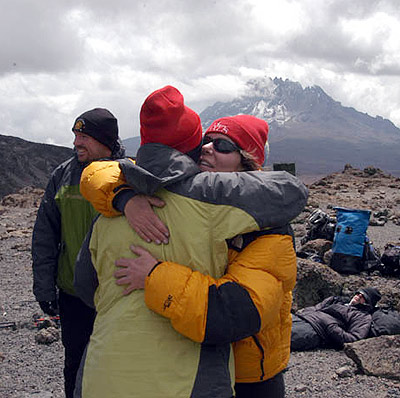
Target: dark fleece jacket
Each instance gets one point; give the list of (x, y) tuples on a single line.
[(337, 322)]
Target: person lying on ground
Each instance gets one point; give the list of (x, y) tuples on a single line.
[(335, 321)]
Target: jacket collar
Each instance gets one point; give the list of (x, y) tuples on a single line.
[(157, 166)]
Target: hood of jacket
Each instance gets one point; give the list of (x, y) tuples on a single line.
[(157, 165)]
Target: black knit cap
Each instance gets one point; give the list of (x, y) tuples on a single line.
[(100, 124), (371, 295)]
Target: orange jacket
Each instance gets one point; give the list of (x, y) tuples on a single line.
[(252, 299)]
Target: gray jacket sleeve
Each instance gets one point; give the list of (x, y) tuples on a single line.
[(273, 198), (85, 277), (46, 240)]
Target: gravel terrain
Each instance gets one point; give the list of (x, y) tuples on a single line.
[(29, 369)]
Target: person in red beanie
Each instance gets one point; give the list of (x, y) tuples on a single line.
[(234, 133), (165, 119), (234, 143), (249, 133), (253, 298)]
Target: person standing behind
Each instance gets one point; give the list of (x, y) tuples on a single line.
[(63, 219)]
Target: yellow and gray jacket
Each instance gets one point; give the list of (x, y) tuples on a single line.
[(132, 348), (63, 220)]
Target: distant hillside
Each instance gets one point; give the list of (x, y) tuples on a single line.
[(131, 146), (24, 163), (310, 128)]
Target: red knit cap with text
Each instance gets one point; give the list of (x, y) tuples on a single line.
[(165, 119), (248, 132)]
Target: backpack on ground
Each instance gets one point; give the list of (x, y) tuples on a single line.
[(385, 321), (371, 257), (349, 240), (319, 226)]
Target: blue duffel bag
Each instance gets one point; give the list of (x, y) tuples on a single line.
[(349, 240)]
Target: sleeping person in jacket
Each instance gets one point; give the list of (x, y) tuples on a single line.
[(135, 352), (334, 321)]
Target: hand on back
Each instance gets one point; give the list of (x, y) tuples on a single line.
[(132, 272), (141, 217)]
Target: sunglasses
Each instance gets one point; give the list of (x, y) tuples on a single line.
[(221, 145)]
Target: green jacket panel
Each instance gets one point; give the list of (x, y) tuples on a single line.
[(77, 215), (56, 233), (125, 329)]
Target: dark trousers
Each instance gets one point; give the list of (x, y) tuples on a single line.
[(271, 388), (76, 327), (303, 337)]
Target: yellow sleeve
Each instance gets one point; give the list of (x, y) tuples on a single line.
[(180, 294), (99, 182), (232, 307)]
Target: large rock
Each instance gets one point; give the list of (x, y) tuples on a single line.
[(377, 357), (315, 282), (318, 246), (47, 336)]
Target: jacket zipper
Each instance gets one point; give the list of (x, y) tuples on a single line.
[(262, 356)]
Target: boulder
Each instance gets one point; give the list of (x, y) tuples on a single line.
[(26, 197), (378, 356), (315, 282), (318, 246)]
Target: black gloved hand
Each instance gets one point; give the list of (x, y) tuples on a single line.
[(49, 307)]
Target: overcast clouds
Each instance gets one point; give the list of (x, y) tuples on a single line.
[(61, 58)]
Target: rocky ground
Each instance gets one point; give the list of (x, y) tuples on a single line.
[(30, 369)]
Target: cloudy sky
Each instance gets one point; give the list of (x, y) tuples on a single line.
[(61, 58)]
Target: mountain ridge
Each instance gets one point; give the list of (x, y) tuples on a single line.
[(24, 163), (307, 127), (306, 123)]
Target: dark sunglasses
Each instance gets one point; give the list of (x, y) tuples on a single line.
[(221, 145)]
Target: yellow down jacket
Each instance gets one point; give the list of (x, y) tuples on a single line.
[(265, 268)]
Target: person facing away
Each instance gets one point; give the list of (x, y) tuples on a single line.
[(173, 365), (261, 274), (63, 219), (335, 321), (257, 286)]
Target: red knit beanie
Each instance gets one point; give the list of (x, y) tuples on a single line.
[(165, 119), (249, 132)]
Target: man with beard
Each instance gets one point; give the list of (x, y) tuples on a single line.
[(63, 219)]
